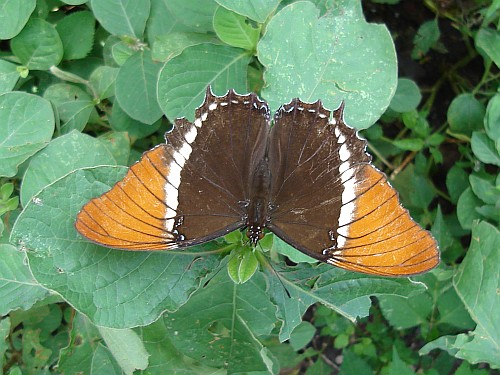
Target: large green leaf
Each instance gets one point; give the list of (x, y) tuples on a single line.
[(38, 46), (135, 87), (8, 76), (77, 34), (333, 58), (18, 289), (184, 79), (14, 16), (27, 125), (113, 288), (220, 325), (122, 17), (62, 155)]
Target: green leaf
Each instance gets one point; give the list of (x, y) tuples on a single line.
[(135, 87), (492, 119), (103, 80), (397, 366), (257, 10), (466, 208), (18, 289), (353, 364), (404, 313), (484, 148), (118, 144), (14, 16), (293, 254), (61, 156), (170, 45), (221, 323), (333, 58), (126, 347), (163, 21), (409, 144), (8, 76), (194, 17), (347, 293), (84, 352), (441, 232), (77, 34), (457, 180), (121, 122), (407, 96), (465, 114), (165, 358), (427, 36), (234, 29), (242, 265), (488, 44), (485, 189), (122, 17), (27, 126), (4, 335), (73, 106), (477, 283), (302, 335), (114, 288), (183, 80), (38, 46)]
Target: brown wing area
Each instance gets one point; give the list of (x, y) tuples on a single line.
[(380, 237), (191, 189), (132, 215), (330, 203)]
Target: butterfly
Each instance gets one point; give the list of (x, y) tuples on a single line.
[(304, 175)]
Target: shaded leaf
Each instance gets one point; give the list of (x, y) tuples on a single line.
[(38, 45), (8, 76), (122, 17), (27, 126), (234, 29), (257, 10), (76, 31)]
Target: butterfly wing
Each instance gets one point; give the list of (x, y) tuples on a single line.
[(191, 189), (329, 202)]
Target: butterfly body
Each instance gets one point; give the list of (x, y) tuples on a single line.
[(304, 175)]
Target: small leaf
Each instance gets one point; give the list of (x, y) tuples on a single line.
[(492, 119), (242, 265), (118, 144), (485, 189), (122, 17), (38, 46), (465, 114), (404, 313), (427, 36), (409, 144), (27, 126), (302, 335), (397, 366), (135, 88), (103, 81), (457, 180), (484, 149), (466, 208), (407, 96), (73, 105), (488, 44), (353, 364), (234, 29), (126, 347), (76, 31), (121, 122), (14, 16)]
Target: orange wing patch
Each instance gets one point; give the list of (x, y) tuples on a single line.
[(132, 215), (381, 237)]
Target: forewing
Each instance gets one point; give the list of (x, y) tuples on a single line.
[(191, 189), (331, 203)]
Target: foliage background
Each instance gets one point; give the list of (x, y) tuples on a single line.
[(86, 86)]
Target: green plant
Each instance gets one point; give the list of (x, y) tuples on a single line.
[(86, 86)]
